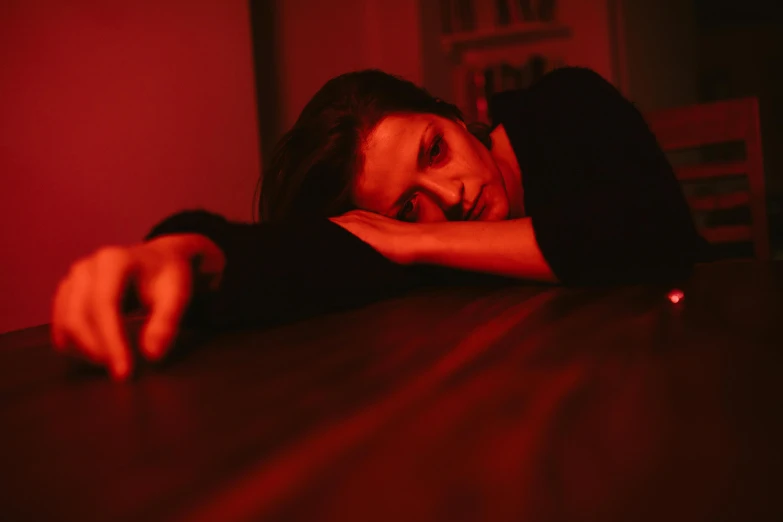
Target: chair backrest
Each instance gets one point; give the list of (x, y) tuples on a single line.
[(727, 121)]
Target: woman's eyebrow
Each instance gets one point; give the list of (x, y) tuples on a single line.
[(423, 147)]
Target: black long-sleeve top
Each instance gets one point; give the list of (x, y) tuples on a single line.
[(604, 202)]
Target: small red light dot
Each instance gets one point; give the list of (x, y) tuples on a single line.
[(675, 296)]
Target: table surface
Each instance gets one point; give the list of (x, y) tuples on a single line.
[(475, 403)]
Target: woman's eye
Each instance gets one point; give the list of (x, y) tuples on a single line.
[(436, 150), (406, 213)]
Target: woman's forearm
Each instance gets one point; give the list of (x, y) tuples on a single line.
[(505, 248)]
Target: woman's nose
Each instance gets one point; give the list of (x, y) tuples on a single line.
[(449, 194)]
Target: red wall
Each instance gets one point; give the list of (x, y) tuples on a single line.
[(661, 61), (321, 39), (113, 115)]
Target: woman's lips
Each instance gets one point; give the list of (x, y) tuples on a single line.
[(477, 208)]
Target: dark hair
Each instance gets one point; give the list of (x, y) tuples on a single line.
[(313, 166)]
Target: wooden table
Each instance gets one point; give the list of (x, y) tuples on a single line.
[(482, 403)]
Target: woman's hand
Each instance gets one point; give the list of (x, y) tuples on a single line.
[(86, 316), (398, 241)]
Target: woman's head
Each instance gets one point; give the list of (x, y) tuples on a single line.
[(369, 140)]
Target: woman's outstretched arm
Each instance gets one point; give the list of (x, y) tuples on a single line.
[(199, 270), (280, 272)]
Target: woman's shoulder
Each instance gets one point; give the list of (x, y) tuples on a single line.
[(572, 74), (558, 89), (575, 84)]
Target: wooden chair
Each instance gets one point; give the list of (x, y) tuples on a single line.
[(715, 123)]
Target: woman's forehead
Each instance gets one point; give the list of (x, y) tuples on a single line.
[(390, 152), (395, 131)]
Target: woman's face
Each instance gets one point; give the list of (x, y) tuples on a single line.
[(425, 168)]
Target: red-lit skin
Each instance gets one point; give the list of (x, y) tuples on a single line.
[(85, 310), (421, 177), (424, 168)]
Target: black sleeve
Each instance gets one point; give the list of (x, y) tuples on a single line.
[(609, 208), (277, 273)]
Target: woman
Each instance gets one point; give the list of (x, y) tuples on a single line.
[(380, 188)]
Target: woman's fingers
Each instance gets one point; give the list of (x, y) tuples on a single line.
[(80, 328), (86, 310), (112, 270), (72, 330), (168, 294)]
